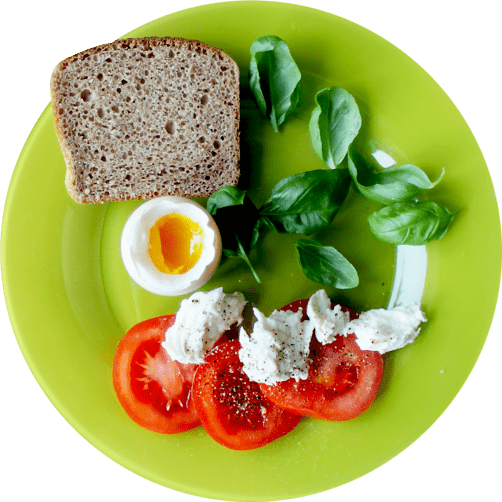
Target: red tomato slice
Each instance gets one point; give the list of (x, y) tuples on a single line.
[(231, 407), (154, 390), (343, 379)]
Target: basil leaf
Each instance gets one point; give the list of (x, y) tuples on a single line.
[(334, 124), (325, 265), (305, 202), (274, 79), (394, 184), (258, 229), (235, 215), (225, 197), (410, 223)]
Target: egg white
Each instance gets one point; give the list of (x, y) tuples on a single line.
[(134, 247)]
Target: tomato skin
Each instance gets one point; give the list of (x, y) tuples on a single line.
[(232, 409), (140, 363), (343, 379)]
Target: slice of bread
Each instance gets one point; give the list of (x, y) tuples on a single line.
[(141, 118)]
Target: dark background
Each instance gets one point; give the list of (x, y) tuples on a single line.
[(457, 458)]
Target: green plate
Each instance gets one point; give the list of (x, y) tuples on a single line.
[(70, 299)]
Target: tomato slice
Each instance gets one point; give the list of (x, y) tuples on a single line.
[(231, 407), (343, 380), (153, 389)]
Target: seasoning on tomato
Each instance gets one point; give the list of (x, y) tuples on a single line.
[(153, 389), (342, 381), (232, 408)]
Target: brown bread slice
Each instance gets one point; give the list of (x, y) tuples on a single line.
[(141, 118)]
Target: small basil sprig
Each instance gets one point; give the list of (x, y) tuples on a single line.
[(334, 124), (302, 203), (410, 223), (325, 265), (274, 79), (394, 184), (236, 216), (306, 202)]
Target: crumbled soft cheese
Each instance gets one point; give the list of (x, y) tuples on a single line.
[(277, 348), (385, 330), (327, 322), (200, 321)]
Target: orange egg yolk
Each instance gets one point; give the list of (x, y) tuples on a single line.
[(175, 243)]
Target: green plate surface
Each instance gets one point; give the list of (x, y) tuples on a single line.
[(70, 299)]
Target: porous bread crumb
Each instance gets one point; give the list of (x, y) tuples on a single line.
[(140, 118)]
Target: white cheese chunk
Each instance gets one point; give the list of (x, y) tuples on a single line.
[(277, 349), (200, 321), (327, 322), (385, 330)]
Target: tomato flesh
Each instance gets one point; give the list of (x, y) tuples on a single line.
[(240, 400), (157, 381), (232, 408), (154, 390), (343, 380)]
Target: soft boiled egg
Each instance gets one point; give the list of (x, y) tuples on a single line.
[(170, 246)]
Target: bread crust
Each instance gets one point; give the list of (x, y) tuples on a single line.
[(145, 117)]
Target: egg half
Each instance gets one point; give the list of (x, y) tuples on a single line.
[(170, 246)]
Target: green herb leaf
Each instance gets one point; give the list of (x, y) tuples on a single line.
[(225, 197), (410, 223), (305, 202), (236, 216), (394, 184), (274, 79), (325, 265), (258, 229), (334, 124)]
